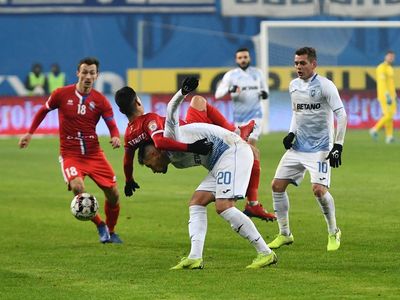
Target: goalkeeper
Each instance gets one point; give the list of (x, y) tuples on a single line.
[(386, 97)]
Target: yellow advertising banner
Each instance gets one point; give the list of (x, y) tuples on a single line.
[(168, 80)]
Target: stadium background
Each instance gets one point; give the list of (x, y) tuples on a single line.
[(151, 45)]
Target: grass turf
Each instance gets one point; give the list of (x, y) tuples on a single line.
[(46, 254)]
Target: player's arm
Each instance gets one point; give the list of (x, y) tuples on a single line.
[(51, 103), (165, 143), (336, 104), (263, 86), (130, 184), (108, 117), (225, 87)]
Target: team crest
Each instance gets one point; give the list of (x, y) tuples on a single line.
[(92, 106), (70, 102), (312, 93), (152, 125)]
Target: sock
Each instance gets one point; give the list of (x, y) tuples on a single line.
[(197, 230), (327, 205), (112, 213), (252, 189), (97, 220), (218, 119), (246, 228), (281, 208)]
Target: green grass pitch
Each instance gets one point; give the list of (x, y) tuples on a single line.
[(46, 254)]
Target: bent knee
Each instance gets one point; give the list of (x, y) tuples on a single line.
[(319, 190), (198, 102), (279, 186)]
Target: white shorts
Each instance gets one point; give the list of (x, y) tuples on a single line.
[(294, 164), (257, 128), (231, 174)]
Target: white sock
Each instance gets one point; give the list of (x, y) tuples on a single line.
[(197, 230), (327, 205), (246, 228), (281, 208)]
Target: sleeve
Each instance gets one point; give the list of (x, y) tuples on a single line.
[(154, 127), (171, 129), (341, 118), (336, 104), (38, 118), (382, 78), (129, 155), (108, 117), (223, 87), (263, 83)]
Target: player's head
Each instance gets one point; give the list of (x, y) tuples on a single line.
[(87, 73), (128, 102), (242, 58), (153, 158), (390, 56), (305, 62)]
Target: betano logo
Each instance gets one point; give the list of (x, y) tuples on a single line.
[(168, 80)]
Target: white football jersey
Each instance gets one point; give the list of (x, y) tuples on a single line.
[(221, 138), (246, 104), (313, 103)]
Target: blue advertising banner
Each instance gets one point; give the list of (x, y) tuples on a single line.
[(106, 6)]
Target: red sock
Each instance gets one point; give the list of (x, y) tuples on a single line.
[(252, 189), (218, 119), (97, 220), (112, 213)]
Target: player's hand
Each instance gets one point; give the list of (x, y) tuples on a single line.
[(24, 140), (130, 187), (115, 142), (233, 89), (263, 95), (288, 140), (189, 85), (335, 156), (388, 99), (202, 147)]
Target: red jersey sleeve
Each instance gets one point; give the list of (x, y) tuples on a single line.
[(51, 103), (108, 116), (154, 127)]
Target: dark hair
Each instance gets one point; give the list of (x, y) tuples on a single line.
[(390, 51), (311, 53), (142, 151), (89, 61), (242, 49), (124, 98)]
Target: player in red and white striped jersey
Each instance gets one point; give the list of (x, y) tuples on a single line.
[(80, 107)]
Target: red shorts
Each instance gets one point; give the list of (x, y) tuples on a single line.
[(95, 166), (195, 116)]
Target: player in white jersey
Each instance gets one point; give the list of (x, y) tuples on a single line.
[(229, 164), (310, 144), (247, 87)]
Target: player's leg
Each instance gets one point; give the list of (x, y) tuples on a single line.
[(253, 207), (232, 175), (382, 121), (73, 170), (201, 111), (389, 124), (101, 172), (289, 170), (327, 204), (197, 226)]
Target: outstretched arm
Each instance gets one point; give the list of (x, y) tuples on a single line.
[(38, 118)]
